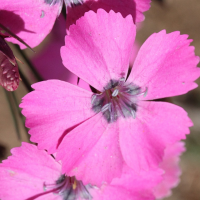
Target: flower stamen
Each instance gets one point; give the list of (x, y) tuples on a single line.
[(69, 188), (118, 99)]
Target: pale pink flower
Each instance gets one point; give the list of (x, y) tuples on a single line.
[(33, 174), (96, 135), (170, 165)]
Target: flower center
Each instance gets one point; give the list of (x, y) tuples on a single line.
[(119, 98), (70, 188)]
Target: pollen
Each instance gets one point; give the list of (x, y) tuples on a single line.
[(74, 184)]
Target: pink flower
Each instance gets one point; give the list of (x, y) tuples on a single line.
[(96, 135), (33, 174), (33, 20), (29, 20), (172, 170)]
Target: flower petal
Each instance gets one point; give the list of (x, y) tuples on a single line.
[(170, 165), (109, 192), (54, 108), (24, 173), (166, 65), (157, 125), (135, 8), (98, 47), (131, 186), (91, 152), (29, 20)]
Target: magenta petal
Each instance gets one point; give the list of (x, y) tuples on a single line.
[(91, 152), (131, 186), (84, 85), (166, 65), (98, 47), (135, 8), (29, 20), (24, 173), (110, 192), (134, 52), (141, 6), (54, 108), (170, 165), (157, 125)]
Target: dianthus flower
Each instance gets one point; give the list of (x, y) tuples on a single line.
[(97, 134), (33, 20), (33, 174)]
